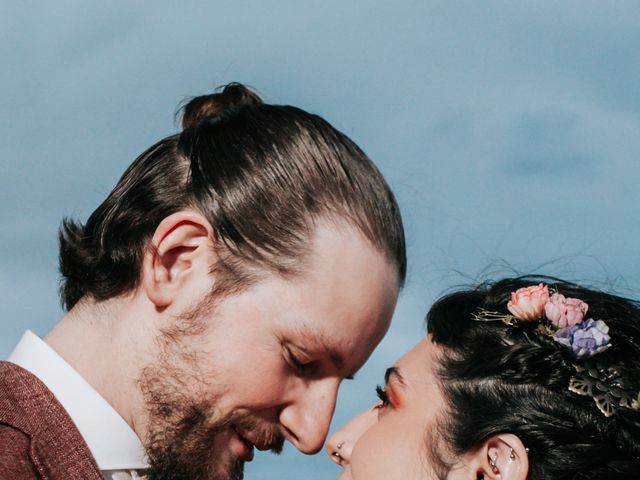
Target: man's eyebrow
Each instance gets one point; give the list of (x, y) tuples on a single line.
[(393, 372), (335, 357), (336, 360)]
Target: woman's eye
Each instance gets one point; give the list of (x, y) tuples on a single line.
[(384, 398)]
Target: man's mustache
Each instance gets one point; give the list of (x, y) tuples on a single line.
[(263, 435)]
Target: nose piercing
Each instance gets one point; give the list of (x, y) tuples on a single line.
[(339, 458)]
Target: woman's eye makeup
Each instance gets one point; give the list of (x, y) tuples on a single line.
[(383, 396), (388, 394)]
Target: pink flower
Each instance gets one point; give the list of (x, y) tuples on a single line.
[(565, 312), (528, 303)]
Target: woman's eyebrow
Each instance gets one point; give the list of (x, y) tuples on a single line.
[(395, 373)]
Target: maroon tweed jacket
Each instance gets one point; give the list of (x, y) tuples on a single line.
[(38, 439)]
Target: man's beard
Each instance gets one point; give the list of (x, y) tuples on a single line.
[(187, 436), (182, 446)]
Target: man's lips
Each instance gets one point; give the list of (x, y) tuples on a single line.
[(242, 447), (247, 438)]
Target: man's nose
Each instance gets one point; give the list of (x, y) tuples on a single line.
[(307, 419), (341, 443)]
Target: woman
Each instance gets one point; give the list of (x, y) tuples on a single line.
[(515, 380)]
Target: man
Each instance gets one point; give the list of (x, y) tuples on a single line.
[(236, 274)]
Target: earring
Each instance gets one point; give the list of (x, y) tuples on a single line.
[(493, 463), (512, 453)]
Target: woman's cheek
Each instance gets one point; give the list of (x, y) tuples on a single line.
[(368, 458), (387, 450)]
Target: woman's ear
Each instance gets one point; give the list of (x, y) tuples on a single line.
[(501, 457), (181, 247)]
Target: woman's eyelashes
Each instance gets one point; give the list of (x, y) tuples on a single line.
[(383, 396)]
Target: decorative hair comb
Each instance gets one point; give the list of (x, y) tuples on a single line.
[(564, 320)]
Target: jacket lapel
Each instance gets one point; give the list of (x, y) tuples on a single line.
[(57, 449)]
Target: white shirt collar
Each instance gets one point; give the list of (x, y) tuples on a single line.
[(110, 439)]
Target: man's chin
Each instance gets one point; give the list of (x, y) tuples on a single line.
[(217, 470), (197, 457)]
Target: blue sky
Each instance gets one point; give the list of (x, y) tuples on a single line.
[(508, 130)]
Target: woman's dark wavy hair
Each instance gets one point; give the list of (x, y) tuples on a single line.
[(262, 174), (497, 378)]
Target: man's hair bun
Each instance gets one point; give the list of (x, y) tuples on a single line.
[(230, 97)]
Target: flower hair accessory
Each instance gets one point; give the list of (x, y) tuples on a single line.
[(529, 303), (564, 319)]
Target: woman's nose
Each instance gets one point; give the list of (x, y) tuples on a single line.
[(341, 443)]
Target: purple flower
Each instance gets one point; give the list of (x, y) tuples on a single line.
[(585, 339)]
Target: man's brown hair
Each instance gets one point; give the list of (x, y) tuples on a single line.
[(261, 174)]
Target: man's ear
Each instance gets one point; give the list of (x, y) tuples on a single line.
[(180, 247), (501, 457)]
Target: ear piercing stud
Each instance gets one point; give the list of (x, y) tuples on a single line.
[(493, 463)]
